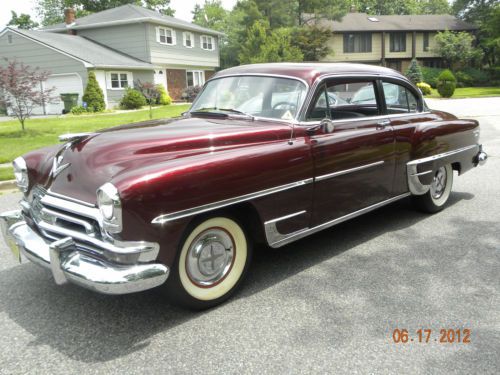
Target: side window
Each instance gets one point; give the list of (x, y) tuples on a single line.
[(345, 100), (399, 99)]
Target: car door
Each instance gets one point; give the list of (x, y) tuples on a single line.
[(353, 149), (406, 110)]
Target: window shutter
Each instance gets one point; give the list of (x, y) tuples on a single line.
[(174, 37), (157, 34)]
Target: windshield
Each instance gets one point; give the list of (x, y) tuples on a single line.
[(262, 96)]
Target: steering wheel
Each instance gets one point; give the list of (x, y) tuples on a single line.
[(291, 106)]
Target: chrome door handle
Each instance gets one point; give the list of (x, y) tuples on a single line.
[(383, 123)]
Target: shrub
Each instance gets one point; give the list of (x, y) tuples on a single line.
[(414, 73), (425, 88), (446, 84), (463, 79), (79, 110), (132, 99), (93, 95), (478, 77), (431, 75), (163, 98), (191, 93)]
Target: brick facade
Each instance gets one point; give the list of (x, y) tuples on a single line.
[(176, 81), (209, 74)]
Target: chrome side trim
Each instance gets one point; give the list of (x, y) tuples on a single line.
[(346, 171), (272, 233), (414, 184), (307, 231), (162, 219), (367, 118), (442, 155)]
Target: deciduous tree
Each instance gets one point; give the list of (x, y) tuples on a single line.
[(456, 49), (22, 88), (52, 11), (22, 21)]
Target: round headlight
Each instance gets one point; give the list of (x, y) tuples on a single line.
[(109, 203), (21, 174), (106, 205)]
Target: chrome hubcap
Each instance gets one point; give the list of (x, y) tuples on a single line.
[(438, 184), (210, 257)]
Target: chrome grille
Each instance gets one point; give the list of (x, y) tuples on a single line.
[(57, 216)]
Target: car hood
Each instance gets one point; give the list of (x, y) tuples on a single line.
[(105, 156)]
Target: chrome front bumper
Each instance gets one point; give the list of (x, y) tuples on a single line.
[(69, 264)]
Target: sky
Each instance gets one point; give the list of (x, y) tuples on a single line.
[(182, 8)]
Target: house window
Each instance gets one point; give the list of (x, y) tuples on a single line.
[(357, 42), (9, 38), (195, 78), (398, 42), (165, 35), (426, 41), (120, 80), (207, 42), (188, 39)]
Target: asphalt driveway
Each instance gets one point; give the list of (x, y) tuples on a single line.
[(325, 304)]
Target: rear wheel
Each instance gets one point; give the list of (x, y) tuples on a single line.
[(437, 196), (211, 264)]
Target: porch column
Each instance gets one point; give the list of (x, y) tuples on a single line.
[(383, 49), (414, 45)]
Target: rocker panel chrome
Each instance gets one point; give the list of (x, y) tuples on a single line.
[(272, 231), (279, 240)]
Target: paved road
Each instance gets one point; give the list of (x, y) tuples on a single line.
[(327, 304)]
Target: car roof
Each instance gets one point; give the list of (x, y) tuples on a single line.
[(309, 72)]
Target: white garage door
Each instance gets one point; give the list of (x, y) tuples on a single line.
[(64, 84)]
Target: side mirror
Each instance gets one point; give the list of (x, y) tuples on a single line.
[(326, 125)]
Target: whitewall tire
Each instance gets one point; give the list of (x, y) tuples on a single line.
[(212, 262), (439, 193)]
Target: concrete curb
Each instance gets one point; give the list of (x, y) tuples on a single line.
[(8, 185)]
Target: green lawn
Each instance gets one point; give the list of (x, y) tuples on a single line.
[(6, 173), (470, 92), (43, 132)]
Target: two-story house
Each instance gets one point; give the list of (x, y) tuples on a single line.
[(391, 41), (121, 45)]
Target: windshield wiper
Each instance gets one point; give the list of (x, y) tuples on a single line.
[(210, 109)]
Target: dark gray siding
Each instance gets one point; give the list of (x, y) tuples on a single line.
[(37, 55), (178, 55), (129, 39)]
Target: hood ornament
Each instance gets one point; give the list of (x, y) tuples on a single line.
[(57, 167)]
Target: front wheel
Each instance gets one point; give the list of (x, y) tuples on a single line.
[(437, 196), (211, 264)]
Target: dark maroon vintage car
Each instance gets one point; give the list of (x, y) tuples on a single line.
[(267, 153)]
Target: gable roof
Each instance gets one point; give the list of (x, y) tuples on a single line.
[(422, 22), (127, 14), (84, 50)]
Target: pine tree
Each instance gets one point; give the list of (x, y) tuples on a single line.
[(93, 95), (414, 73)]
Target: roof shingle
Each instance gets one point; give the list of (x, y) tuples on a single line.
[(422, 22), (128, 14), (83, 49)]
